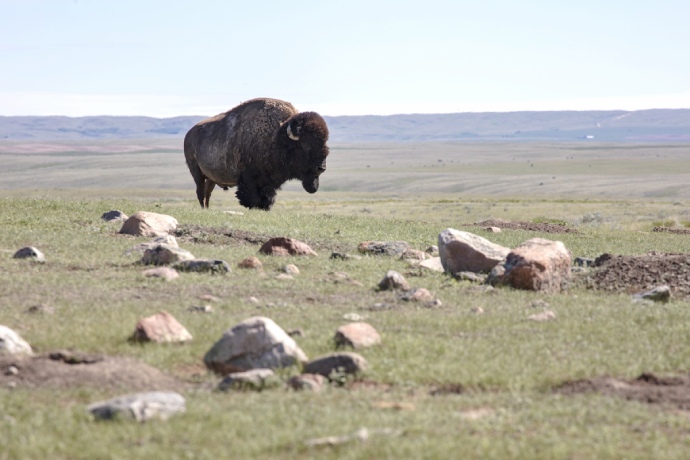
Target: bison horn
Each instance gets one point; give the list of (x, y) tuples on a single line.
[(289, 133)]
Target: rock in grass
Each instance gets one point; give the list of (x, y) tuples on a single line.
[(308, 382), (12, 343), (144, 223), (114, 216), (160, 328), (166, 273), (251, 263), (30, 252), (162, 254), (357, 335), (334, 365), (255, 343), (393, 281), (417, 295), (213, 266), (282, 246), (389, 248), (433, 264), (254, 379), (140, 406), (464, 251)]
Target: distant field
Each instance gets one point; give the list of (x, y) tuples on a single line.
[(456, 169)]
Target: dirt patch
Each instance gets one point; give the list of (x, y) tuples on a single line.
[(632, 274), (543, 227), (676, 231), (647, 388), (67, 369), (218, 235)]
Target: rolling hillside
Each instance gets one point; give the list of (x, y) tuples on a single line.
[(644, 125)]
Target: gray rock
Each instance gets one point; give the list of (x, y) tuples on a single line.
[(583, 262), (162, 254), (30, 252), (470, 276), (114, 215), (344, 256), (433, 264), (309, 382), (254, 379), (463, 251), (335, 365), (417, 295), (389, 248), (140, 406), (12, 343), (257, 342), (166, 273), (658, 294), (144, 223), (290, 269), (357, 335), (215, 266), (393, 281)]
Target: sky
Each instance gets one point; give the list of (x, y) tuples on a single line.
[(203, 57)]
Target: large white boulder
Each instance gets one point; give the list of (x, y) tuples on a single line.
[(466, 252), (143, 223)]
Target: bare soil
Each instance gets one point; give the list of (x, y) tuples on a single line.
[(670, 391), (633, 274), (67, 369), (544, 227), (676, 231)]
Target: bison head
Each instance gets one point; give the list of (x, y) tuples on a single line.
[(305, 136)]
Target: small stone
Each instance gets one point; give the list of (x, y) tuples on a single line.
[(162, 254), (393, 281), (296, 332), (309, 382), (344, 256), (253, 379), (417, 295), (414, 254), (547, 315), (253, 300), (200, 309), (470, 276), (583, 262), (30, 252), (432, 250), (161, 327), (353, 317), (389, 248), (477, 310), (208, 298), (283, 246), (234, 213), (284, 276), (41, 309), (114, 216), (436, 303), (252, 263), (12, 370), (356, 335), (165, 273), (493, 229), (658, 294), (291, 269)]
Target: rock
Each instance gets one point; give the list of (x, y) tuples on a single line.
[(144, 223), (540, 303), (389, 248), (291, 269), (417, 295), (208, 298), (353, 317), (162, 254), (140, 406), (234, 213), (543, 316), (114, 215), (493, 229), (296, 332), (334, 365), (463, 251), (200, 309), (584, 262), (393, 281), (11, 370), (167, 240), (254, 379), (214, 266), (433, 264), (30, 252), (284, 276), (253, 300), (477, 310), (356, 335), (658, 294), (470, 276), (12, 343), (160, 328), (414, 254), (432, 250), (166, 273), (344, 256), (256, 342), (251, 263), (41, 309), (536, 265), (310, 382), (283, 246)]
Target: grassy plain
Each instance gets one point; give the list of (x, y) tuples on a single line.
[(437, 366)]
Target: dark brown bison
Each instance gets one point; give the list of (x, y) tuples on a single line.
[(257, 146)]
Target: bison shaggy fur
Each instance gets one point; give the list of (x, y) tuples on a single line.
[(257, 147)]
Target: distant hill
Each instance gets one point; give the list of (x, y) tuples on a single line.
[(642, 125)]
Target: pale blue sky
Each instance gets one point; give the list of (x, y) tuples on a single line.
[(166, 58)]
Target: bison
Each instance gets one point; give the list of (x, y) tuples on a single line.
[(257, 146)]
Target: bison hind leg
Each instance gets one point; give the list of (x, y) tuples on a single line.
[(209, 185)]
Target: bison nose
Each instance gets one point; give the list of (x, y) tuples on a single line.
[(321, 169)]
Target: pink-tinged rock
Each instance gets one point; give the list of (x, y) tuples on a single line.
[(433, 264), (282, 246), (309, 382), (393, 281), (414, 254), (251, 263), (166, 273), (256, 342), (463, 251), (417, 295), (161, 328), (144, 223), (162, 254), (535, 265), (357, 335)]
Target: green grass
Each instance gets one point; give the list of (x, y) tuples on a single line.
[(504, 363)]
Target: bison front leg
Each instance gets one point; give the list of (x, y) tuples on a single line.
[(267, 197), (248, 191)]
